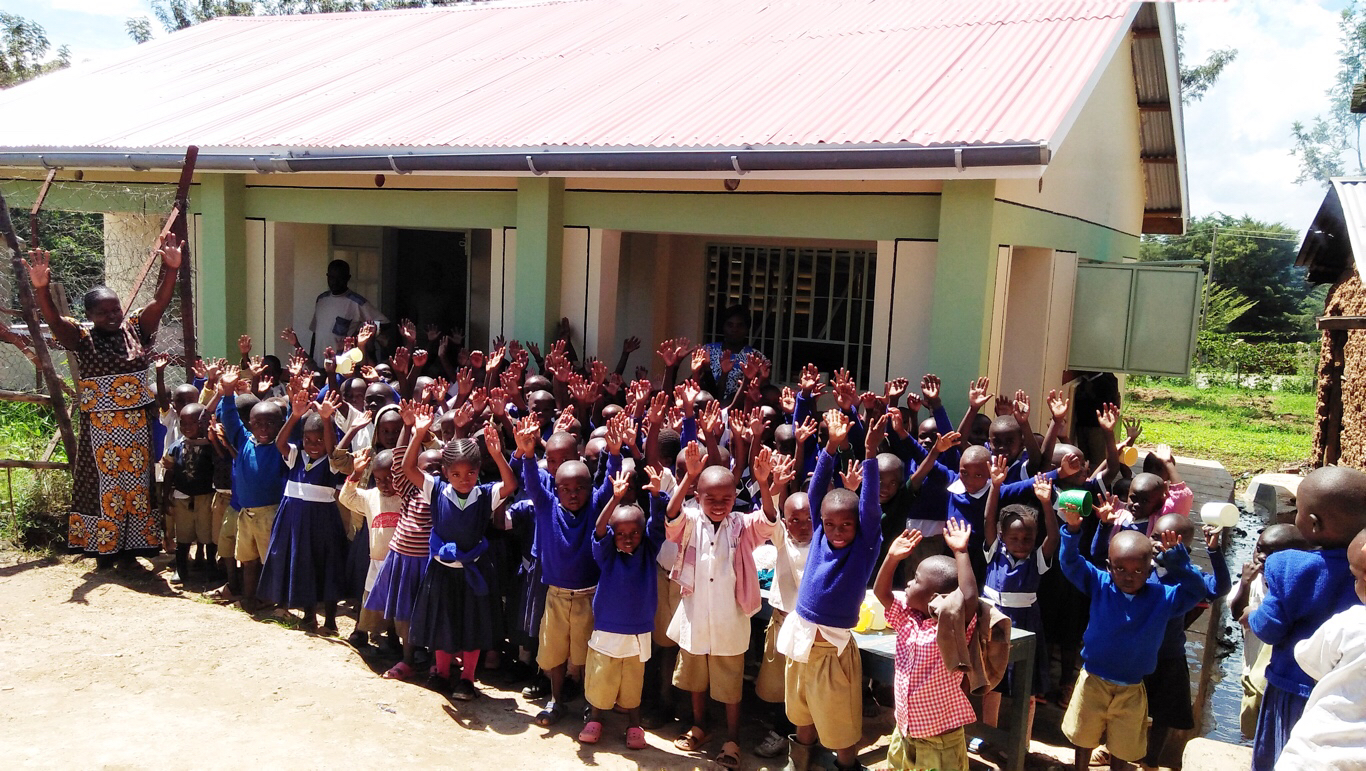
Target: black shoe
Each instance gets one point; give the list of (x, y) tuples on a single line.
[(571, 690), (391, 645), (464, 691), (359, 640), (438, 683), (539, 688)]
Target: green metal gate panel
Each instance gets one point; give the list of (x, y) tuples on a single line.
[(1135, 318)]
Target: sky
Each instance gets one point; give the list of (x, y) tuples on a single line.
[(1237, 138)]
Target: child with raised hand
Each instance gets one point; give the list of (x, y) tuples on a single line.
[(824, 678), (189, 464), (1128, 619), (1022, 549), (792, 543), (1303, 590), (456, 610), (258, 479), (1168, 686), (405, 566), (306, 560), (564, 545), (623, 611), (1246, 594), (1329, 734), (379, 507), (720, 588), (931, 707)]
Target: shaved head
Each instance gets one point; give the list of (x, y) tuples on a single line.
[(1332, 506), (939, 573)]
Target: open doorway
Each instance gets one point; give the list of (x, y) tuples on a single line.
[(433, 277)]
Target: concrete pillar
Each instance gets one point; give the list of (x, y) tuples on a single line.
[(964, 288), (600, 332), (535, 273), (221, 261)]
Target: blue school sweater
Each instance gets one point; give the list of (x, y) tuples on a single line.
[(625, 600), (972, 509), (1125, 630), (564, 539), (836, 580), (1303, 590), (1217, 584), (258, 471)]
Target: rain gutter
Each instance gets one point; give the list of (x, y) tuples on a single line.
[(543, 160)]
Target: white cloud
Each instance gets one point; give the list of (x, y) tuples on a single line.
[(118, 8), (1238, 137)]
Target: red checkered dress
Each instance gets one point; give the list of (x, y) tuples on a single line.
[(929, 698)]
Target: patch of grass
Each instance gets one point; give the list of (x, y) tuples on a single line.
[(32, 503), (1247, 431)]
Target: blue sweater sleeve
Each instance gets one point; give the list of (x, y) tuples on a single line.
[(908, 450), (1081, 573), (1220, 582), (870, 506), (603, 547), (654, 525), (1022, 491), (858, 432), (1190, 588), (820, 484), (233, 429), (540, 499), (689, 432), (1274, 619)]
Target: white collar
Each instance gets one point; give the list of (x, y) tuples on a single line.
[(454, 497), (958, 488)]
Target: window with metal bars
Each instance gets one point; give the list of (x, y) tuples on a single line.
[(808, 304)]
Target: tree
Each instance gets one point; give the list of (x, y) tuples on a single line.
[(25, 48), (1332, 143), (1196, 80), (1257, 259), (139, 29)]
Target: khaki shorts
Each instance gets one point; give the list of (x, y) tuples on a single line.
[(669, 594), (565, 627), (609, 682), (193, 519), (722, 675), (218, 510), (945, 752), (827, 691), (773, 668), (1118, 714), (227, 534), (253, 532)]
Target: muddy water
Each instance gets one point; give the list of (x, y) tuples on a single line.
[(1220, 720)]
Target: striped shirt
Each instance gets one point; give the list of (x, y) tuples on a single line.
[(412, 536)]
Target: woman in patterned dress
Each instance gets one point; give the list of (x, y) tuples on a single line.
[(112, 515)]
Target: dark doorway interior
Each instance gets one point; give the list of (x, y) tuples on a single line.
[(433, 278)]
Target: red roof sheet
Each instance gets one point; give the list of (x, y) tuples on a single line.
[(597, 73)]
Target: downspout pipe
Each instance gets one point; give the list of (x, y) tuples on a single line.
[(553, 160)]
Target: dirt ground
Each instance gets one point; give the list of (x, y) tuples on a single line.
[(119, 670)]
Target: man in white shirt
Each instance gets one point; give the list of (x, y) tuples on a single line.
[(339, 312)]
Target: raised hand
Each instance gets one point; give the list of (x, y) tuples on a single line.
[(1058, 405), (527, 435), (621, 485), (957, 534), (1043, 490), (727, 362), (169, 249), (846, 390), (361, 461), (979, 393), (565, 422), (1107, 508), (366, 334), (422, 418), (300, 403), (433, 332), (419, 358), (788, 401), (1132, 428), (904, 544), (852, 476), (228, 380), (946, 441), (896, 422), (160, 361), (39, 264), (894, 389), (700, 359), (1214, 537), (328, 406), (1072, 464), (1004, 406), (809, 380), (630, 345), (929, 390), (877, 431), (401, 360), (837, 427), (493, 439), (762, 467), (1108, 417), (1169, 539), (244, 345), (1022, 408), (807, 429), (655, 483), (784, 471), (694, 459), (710, 421), (1000, 467), (1164, 454), (409, 331)]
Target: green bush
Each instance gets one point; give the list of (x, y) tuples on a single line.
[(34, 502)]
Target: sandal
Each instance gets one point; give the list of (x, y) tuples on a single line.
[(729, 756), (550, 715), (635, 738), (222, 595), (399, 671), (692, 741), (1100, 756), (592, 731)]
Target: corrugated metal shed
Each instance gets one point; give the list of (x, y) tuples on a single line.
[(1338, 233), (593, 73)]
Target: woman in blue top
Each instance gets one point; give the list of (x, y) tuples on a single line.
[(457, 606), (735, 324)]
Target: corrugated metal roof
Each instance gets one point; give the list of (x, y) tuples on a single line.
[(589, 73)]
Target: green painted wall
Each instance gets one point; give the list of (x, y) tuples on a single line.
[(66, 195), (855, 217), (540, 253), (222, 310), (964, 287), (395, 208)]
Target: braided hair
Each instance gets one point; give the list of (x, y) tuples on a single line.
[(461, 451)]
